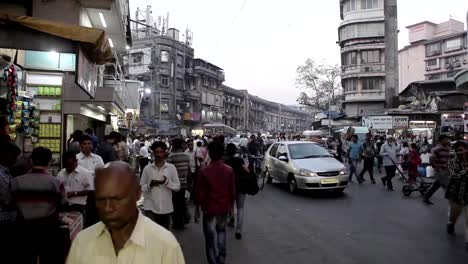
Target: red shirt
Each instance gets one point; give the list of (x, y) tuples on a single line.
[(216, 189)]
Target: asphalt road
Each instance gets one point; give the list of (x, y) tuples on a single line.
[(365, 225)]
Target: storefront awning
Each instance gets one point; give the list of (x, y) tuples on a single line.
[(93, 41)]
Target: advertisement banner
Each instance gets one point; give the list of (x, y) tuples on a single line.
[(452, 120), (377, 122), (423, 124), (400, 122)]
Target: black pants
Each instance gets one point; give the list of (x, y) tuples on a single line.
[(180, 208), (434, 187), (143, 163), (163, 220), (390, 173), (368, 167)]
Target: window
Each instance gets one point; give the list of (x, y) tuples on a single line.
[(164, 108), (371, 84), (369, 4), (137, 58), (164, 80), (370, 56), (437, 76), (282, 151), (433, 49), (164, 56), (180, 61), (362, 30), (350, 85), (349, 58), (454, 61), (205, 82), (432, 63), (452, 74), (350, 5), (453, 44), (180, 84)]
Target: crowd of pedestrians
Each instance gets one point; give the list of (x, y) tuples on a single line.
[(413, 160)]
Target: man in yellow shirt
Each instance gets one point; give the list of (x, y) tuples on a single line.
[(124, 235)]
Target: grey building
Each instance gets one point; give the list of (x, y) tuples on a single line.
[(362, 43)]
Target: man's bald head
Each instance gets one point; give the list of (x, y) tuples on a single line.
[(117, 192)]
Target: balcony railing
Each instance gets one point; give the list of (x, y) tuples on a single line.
[(364, 68), (111, 74)]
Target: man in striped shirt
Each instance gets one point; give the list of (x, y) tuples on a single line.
[(181, 161), (439, 160)]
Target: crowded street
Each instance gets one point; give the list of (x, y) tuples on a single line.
[(365, 225), (233, 132)]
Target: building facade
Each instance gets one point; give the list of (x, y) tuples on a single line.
[(362, 43), (435, 51)]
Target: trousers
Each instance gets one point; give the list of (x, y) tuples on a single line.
[(214, 229), (455, 210), (163, 220), (368, 167)]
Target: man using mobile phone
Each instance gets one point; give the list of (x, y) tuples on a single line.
[(158, 181)]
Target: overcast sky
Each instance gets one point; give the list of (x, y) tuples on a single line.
[(260, 43)]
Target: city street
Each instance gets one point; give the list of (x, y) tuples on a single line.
[(366, 225)]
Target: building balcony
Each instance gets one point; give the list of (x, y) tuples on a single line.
[(191, 94), (365, 70), (219, 74), (365, 96)]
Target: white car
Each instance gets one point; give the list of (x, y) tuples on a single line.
[(304, 165)]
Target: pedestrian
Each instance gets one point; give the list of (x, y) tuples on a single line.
[(181, 161), (457, 189), (339, 150), (86, 158), (439, 161), (414, 160), (404, 157), (369, 156), (74, 145), (144, 157), (378, 147), (8, 212), (158, 181), (190, 151), (123, 235), (78, 181), (389, 159), (106, 149), (38, 196), (216, 193), (94, 139), (244, 142), (242, 176), (354, 156), (123, 149)]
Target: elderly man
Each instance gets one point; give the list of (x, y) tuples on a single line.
[(124, 235)]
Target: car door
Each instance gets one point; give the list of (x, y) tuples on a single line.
[(272, 160), (281, 168)]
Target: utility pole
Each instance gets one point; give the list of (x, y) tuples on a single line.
[(391, 52)]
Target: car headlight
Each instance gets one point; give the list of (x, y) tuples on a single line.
[(343, 172), (307, 173)]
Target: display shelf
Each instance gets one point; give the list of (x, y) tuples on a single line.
[(46, 85), (58, 97), (49, 111), (58, 137), (51, 123)]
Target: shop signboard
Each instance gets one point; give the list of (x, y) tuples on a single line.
[(400, 122), (86, 76), (422, 124), (377, 122), (452, 120)]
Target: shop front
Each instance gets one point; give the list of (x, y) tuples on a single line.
[(41, 61), (452, 125)]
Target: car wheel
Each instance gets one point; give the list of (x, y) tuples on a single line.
[(292, 185), (269, 180)]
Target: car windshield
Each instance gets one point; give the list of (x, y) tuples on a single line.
[(307, 151)]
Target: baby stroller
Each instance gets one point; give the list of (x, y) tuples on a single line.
[(420, 185)]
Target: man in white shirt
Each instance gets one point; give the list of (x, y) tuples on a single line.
[(86, 158), (124, 235), (158, 181), (77, 180), (144, 157)]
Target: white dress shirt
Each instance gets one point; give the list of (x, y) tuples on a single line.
[(91, 162), (149, 243), (144, 153), (78, 180), (158, 199)]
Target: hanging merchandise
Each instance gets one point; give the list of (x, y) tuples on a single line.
[(12, 85)]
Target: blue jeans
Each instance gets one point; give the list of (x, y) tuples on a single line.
[(214, 228)]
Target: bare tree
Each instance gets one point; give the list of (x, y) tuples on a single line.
[(320, 84)]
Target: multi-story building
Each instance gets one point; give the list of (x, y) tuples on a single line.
[(435, 51), (234, 107), (362, 43), (209, 80), (166, 66)]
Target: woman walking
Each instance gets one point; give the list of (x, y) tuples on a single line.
[(242, 175), (457, 190)]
